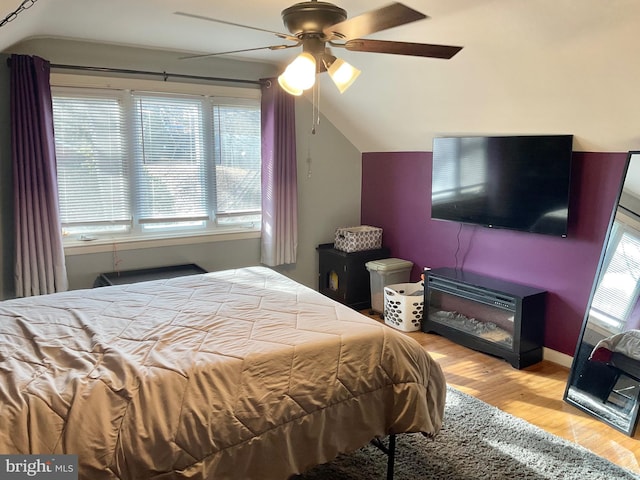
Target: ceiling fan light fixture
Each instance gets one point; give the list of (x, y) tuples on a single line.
[(282, 80), (343, 74), (299, 75)]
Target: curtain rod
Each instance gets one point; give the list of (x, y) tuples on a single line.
[(164, 75)]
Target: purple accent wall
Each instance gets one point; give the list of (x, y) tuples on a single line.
[(396, 195)]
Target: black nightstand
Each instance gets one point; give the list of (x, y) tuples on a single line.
[(344, 276)]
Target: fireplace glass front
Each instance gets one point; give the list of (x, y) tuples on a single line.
[(490, 322)]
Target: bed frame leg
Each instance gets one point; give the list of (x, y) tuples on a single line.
[(389, 450), (391, 456)]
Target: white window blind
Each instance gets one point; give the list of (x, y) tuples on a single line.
[(170, 164), (237, 160), (91, 159), (133, 163)]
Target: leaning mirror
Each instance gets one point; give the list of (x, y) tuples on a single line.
[(605, 374)]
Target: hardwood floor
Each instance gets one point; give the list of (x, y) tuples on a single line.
[(533, 394)]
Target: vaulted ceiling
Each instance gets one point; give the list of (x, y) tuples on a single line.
[(534, 66)]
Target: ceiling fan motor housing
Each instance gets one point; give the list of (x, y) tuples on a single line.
[(311, 18)]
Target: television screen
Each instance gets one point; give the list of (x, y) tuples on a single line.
[(513, 182)]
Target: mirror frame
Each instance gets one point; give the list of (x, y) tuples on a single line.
[(576, 362)]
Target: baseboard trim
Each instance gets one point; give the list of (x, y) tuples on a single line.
[(557, 357)]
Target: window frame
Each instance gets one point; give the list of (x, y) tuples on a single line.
[(136, 238)]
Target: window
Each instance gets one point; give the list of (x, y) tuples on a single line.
[(133, 163)]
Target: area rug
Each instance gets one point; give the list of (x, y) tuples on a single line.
[(477, 441)]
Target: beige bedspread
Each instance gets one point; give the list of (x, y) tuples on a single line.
[(241, 374)]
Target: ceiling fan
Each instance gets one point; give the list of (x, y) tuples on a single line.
[(316, 26)]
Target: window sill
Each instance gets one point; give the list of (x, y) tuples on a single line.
[(100, 245), (603, 325)]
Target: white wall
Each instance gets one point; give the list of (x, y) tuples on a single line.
[(328, 198)]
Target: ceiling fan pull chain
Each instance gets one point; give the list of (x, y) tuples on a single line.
[(309, 159), (318, 104), (315, 95)]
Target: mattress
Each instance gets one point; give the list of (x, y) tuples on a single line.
[(239, 374)]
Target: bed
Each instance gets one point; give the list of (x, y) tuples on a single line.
[(621, 353), (239, 374), (625, 344)]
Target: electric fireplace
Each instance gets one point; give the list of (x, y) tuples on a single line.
[(493, 316)]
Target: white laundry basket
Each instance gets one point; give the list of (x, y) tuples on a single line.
[(403, 306)]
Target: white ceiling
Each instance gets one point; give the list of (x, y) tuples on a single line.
[(534, 66)]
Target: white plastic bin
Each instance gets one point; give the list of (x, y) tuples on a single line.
[(403, 306), (386, 272)]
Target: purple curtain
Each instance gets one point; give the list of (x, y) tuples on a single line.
[(279, 177), (39, 266)]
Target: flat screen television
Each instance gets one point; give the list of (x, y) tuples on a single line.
[(512, 182)]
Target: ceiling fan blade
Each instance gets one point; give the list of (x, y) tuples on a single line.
[(392, 15), (402, 48), (209, 19), (271, 47)]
